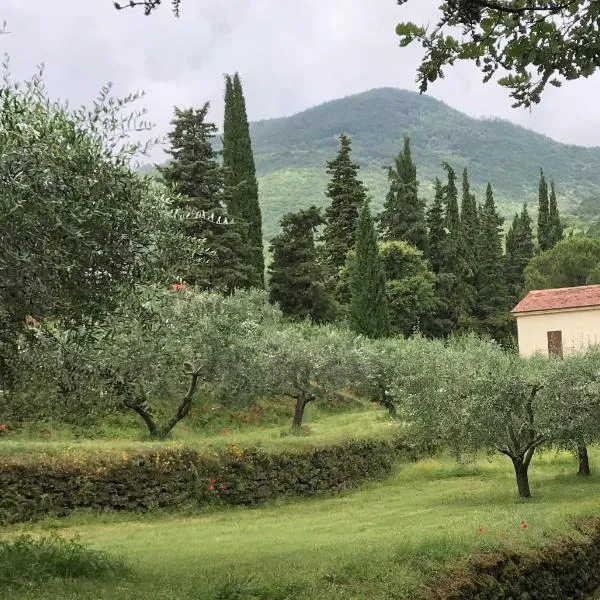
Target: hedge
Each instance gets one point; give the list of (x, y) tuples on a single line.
[(168, 477), (565, 568)]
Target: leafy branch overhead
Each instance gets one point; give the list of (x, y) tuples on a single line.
[(527, 44)]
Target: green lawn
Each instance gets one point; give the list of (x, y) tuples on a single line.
[(379, 542)]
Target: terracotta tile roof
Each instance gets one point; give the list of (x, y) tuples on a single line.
[(557, 298)]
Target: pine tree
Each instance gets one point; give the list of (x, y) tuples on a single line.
[(297, 278), (556, 227), (437, 232), (240, 172), (195, 173), (493, 298), (469, 220), (347, 194), (519, 251), (403, 215), (544, 225), (368, 304)]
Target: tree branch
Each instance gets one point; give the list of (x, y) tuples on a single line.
[(186, 403)]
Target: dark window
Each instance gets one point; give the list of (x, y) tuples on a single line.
[(555, 347)]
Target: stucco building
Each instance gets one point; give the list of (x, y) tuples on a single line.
[(558, 321)]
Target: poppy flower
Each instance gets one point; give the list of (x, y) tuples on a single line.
[(480, 531), (178, 286), (524, 524)]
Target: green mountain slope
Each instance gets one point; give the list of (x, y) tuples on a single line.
[(291, 152)]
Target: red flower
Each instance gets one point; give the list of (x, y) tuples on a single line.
[(480, 531), (178, 286), (524, 524), (211, 486), (3, 427)]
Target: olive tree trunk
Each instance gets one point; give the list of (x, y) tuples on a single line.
[(302, 400), (584, 461)]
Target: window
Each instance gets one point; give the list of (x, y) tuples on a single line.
[(555, 345)]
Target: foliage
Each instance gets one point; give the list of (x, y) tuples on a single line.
[(26, 560), (195, 173), (572, 262), (403, 214), (409, 285), (240, 172), (368, 301), (469, 222), (437, 231), (347, 195), (545, 227), (534, 44), (74, 233), (171, 477), (297, 278)]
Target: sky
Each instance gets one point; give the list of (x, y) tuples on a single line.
[(291, 54)]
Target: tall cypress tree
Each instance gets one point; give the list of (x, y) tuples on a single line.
[(556, 227), (240, 172), (544, 225), (297, 278), (469, 220), (195, 173), (437, 231), (519, 251), (347, 194), (368, 303), (403, 215), (493, 298)]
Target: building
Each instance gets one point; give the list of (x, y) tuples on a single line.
[(558, 321)]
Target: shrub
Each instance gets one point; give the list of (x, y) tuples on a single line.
[(26, 560), (169, 477)]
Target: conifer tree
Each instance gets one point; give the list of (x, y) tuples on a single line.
[(556, 228), (368, 302), (347, 194), (519, 251), (493, 298), (403, 215), (469, 220), (195, 173), (437, 231), (240, 172), (544, 225), (297, 278), (452, 246)]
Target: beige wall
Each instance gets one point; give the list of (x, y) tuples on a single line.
[(580, 328)]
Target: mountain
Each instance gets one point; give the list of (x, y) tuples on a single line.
[(291, 153)]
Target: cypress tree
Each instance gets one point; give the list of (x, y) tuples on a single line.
[(347, 194), (544, 225), (437, 231), (297, 278), (403, 215), (519, 251), (452, 246), (195, 173), (240, 172), (368, 303), (469, 220), (493, 298), (556, 227)]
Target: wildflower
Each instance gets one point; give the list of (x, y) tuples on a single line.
[(524, 524), (226, 431), (125, 456), (178, 286), (480, 531), (211, 486), (3, 428)]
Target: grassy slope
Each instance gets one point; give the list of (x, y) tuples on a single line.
[(380, 542)]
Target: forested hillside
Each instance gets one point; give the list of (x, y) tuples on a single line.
[(291, 153)]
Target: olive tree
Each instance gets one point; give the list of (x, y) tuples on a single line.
[(305, 362), (73, 226), (471, 396), (572, 388), (173, 344)]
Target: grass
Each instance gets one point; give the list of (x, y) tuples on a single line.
[(382, 541), (322, 430)]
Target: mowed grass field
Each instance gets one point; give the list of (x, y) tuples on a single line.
[(380, 542)]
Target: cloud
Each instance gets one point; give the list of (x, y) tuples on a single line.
[(290, 54)]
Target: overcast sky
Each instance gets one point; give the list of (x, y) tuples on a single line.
[(291, 54)]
